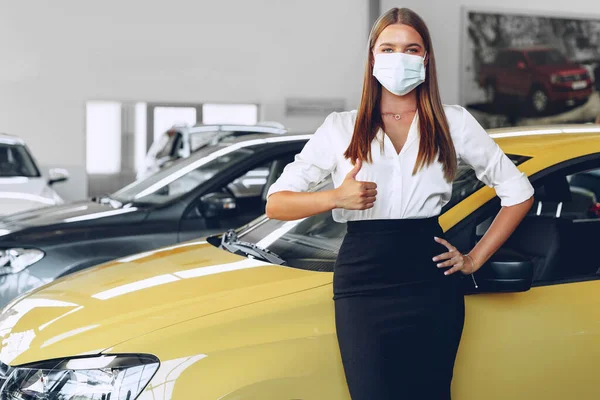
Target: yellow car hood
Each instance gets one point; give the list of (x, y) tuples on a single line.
[(93, 310)]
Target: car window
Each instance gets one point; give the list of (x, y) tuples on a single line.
[(511, 59), (503, 59), (246, 195), (200, 139), (250, 184), (15, 161), (559, 234), (547, 57), (182, 177), (517, 58)]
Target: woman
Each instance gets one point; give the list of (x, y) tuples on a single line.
[(399, 310)]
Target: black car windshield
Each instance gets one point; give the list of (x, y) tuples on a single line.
[(183, 176), (15, 161), (312, 243), (547, 57)]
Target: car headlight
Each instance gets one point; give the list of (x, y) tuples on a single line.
[(121, 377), (13, 261)]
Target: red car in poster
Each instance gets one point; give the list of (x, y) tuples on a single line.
[(542, 76)]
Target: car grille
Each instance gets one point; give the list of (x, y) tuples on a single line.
[(573, 78)]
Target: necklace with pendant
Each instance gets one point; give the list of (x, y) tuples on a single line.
[(397, 117)]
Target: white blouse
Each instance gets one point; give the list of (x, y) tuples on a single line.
[(400, 194)]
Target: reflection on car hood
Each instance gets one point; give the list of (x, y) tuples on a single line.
[(91, 311), (21, 193), (64, 213), (9, 206)]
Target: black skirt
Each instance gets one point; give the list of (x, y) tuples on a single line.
[(399, 319)]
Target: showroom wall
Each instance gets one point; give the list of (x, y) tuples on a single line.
[(58, 55), (443, 18)]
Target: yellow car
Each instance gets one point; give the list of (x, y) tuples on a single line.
[(249, 315)]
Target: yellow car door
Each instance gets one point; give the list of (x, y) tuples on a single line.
[(540, 344), (543, 343)]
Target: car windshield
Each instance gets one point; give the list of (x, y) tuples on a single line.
[(15, 161), (312, 243), (204, 137), (182, 177), (547, 57)]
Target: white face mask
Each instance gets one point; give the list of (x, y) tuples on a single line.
[(399, 73)]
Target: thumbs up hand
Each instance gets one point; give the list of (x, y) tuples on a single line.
[(353, 194)]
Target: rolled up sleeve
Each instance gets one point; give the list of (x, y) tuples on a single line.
[(313, 164), (491, 165)]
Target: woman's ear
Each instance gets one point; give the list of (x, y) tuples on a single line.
[(426, 59)]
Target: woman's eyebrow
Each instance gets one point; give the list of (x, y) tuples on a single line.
[(388, 44)]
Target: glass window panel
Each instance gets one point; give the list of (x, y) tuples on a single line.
[(15, 161), (246, 114), (103, 137), (140, 144)]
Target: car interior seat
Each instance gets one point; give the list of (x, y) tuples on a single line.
[(556, 197), (541, 234), (589, 180), (556, 232), (275, 171), (540, 238), (277, 167)]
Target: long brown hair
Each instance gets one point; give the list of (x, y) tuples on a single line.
[(434, 131)]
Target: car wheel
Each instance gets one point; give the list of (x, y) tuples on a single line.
[(539, 101), (490, 93)]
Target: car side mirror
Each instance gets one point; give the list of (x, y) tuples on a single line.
[(56, 175), (505, 272), (217, 204)]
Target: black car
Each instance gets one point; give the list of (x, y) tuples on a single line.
[(220, 187)]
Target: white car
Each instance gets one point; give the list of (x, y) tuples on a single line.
[(22, 186), (182, 140)]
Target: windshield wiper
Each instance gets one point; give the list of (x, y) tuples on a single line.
[(231, 243)]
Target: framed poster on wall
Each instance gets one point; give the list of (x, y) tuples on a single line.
[(521, 68)]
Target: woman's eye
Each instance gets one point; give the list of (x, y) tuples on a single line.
[(412, 51), (387, 50)]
